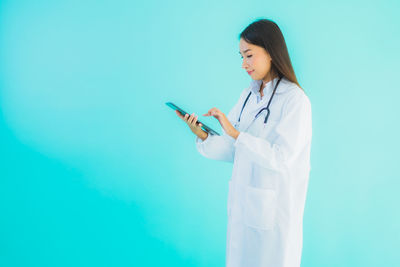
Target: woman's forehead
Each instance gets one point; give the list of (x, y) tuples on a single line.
[(243, 46)]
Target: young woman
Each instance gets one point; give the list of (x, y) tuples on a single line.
[(267, 136)]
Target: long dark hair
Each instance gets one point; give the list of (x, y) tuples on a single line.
[(267, 34)]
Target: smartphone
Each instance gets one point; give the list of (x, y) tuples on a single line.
[(204, 127)]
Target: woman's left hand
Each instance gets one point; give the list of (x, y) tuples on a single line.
[(223, 120)]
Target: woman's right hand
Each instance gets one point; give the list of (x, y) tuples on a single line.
[(191, 121)]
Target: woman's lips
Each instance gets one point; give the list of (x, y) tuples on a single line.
[(250, 72)]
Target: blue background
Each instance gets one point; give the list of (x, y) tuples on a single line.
[(97, 171)]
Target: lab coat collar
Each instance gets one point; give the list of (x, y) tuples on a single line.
[(255, 86)]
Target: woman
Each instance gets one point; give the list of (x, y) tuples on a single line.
[(267, 136)]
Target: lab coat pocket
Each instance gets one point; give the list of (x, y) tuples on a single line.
[(260, 208)]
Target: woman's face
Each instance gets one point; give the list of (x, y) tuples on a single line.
[(256, 60)]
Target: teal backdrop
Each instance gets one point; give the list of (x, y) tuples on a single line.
[(97, 171)]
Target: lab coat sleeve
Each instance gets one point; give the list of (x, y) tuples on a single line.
[(220, 147), (293, 134)]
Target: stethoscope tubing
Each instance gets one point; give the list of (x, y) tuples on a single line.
[(267, 107)]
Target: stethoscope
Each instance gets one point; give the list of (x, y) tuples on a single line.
[(261, 110)]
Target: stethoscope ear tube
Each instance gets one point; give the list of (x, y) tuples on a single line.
[(266, 117), (270, 99), (243, 106)]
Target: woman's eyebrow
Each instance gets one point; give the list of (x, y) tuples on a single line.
[(245, 51)]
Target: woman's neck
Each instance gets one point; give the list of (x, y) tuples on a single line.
[(270, 76)]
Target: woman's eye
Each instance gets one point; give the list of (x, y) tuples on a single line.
[(247, 56)]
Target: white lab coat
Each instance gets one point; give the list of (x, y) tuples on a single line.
[(271, 166)]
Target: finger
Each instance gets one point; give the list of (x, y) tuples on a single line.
[(179, 114), (214, 111), (195, 120), (209, 112), (191, 118), (186, 117)]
